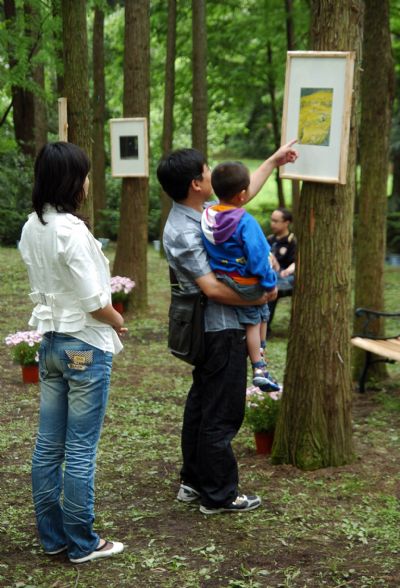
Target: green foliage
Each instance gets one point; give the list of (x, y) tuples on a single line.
[(15, 195)]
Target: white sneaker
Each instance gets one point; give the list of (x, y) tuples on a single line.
[(109, 548), (187, 494)]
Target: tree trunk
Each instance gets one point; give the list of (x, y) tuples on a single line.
[(291, 45), (315, 427), (98, 155), (40, 111), (169, 97), (199, 68), (76, 82), (394, 201), (22, 99), (131, 254), (377, 89), (275, 120)]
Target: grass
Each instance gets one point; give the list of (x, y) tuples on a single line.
[(334, 527)]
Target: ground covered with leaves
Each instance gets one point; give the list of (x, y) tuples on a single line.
[(333, 527)]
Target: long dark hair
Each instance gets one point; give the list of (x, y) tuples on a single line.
[(60, 172)]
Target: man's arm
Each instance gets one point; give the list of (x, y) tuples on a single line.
[(220, 292), (258, 178)]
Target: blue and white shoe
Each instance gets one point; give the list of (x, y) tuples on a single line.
[(263, 380), (187, 494)]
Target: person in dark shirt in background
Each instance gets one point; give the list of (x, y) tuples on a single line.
[(283, 250)]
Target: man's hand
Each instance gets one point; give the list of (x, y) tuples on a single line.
[(274, 263), (266, 297), (285, 154)]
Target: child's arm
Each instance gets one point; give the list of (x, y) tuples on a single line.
[(285, 154)]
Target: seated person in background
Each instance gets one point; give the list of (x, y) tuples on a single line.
[(239, 255), (283, 249)]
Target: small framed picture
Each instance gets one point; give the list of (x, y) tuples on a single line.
[(317, 111), (129, 147)]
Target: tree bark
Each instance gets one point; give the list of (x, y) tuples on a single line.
[(169, 98), (99, 99), (291, 45), (76, 82), (275, 120), (315, 427), (377, 90), (131, 254), (199, 65)]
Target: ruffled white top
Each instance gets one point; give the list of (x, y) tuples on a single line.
[(69, 277)]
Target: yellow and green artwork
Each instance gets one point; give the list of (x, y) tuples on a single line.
[(315, 116)]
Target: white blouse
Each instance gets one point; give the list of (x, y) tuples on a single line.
[(69, 276)]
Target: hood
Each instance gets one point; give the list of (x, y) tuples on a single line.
[(219, 222)]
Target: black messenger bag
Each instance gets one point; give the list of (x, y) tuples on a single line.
[(186, 324)]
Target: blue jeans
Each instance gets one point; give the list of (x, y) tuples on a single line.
[(74, 385)]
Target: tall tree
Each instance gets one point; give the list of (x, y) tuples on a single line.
[(99, 98), (315, 428), (131, 258), (377, 91), (22, 97), (275, 118), (199, 65), (76, 81), (169, 96)]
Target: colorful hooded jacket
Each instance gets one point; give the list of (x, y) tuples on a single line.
[(237, 246)]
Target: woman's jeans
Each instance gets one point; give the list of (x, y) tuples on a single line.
[(74, 384)]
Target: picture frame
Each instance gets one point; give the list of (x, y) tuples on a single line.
[(317, 111), (129, 148)]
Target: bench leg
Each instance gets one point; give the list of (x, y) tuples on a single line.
[(363, 375)]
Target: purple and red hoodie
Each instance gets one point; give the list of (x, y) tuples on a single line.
[(237, 246)]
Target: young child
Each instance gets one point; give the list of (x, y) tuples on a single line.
[(239, 255)]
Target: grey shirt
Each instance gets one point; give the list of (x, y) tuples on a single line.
[(186, 255)]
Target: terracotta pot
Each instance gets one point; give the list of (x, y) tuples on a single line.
[(119, 306), (264, 441), (30, 374)]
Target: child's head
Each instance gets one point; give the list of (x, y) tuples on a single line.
[(60, 173), (229, 179)]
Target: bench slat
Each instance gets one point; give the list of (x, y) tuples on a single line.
[(389, 348)]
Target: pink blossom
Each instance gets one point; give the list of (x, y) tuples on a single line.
[(122, 284)]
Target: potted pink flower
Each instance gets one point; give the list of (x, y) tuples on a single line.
[(262, 410), (121, 287), (25, 351)]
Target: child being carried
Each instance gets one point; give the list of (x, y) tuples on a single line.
[(239, 255)]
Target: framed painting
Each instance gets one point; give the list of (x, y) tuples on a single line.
[(317, 111), (129, 147)]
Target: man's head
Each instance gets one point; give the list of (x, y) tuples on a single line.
[(280, 221), (230, 179), (182, 170)]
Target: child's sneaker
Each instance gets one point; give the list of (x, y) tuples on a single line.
[(263, 380)]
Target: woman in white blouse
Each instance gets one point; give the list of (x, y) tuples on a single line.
[(70, 283)]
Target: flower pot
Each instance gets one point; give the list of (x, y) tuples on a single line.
[(119, 306), (264, 441), (30, 374)]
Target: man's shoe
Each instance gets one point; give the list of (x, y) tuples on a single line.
[(109, 548), (187, 493), (269, 384), (242, 503)]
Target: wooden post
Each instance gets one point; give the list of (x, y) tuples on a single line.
[(62, 119)]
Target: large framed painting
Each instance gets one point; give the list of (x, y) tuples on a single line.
[(129, 147), (317, 111)]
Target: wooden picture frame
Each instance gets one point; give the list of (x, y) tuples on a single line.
[(129, 148), (317, 111)]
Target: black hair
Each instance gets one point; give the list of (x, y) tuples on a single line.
[(176, 171), (60, 172), (229, 179), (286, 214)]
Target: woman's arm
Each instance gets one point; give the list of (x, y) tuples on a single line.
[(110, 316)]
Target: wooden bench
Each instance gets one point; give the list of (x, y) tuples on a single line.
[(377, 349)]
